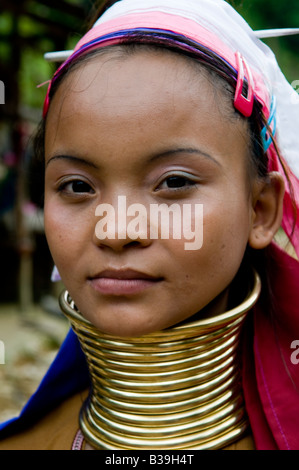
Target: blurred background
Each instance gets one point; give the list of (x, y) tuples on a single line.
[(31, 327)]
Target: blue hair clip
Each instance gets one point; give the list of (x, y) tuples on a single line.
[(265, 135)]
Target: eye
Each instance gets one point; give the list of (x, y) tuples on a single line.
[(75, 187), (176, 182)]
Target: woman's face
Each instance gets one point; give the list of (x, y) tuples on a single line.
[(151, 128)]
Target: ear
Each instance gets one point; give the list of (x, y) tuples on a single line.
[(267, 211)]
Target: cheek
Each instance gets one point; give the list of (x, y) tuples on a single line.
[(58, 235), (67, 232), (224, 234)]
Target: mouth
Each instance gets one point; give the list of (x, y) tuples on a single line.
[(122, 282)]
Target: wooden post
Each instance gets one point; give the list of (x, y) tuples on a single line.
[(24, 245)]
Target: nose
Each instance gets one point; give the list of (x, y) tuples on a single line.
[(121, 224)]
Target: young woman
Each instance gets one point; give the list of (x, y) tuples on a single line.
[(170, 114)]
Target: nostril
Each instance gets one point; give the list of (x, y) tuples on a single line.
[(134, 243)]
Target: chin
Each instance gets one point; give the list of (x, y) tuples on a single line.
[(126, 327)]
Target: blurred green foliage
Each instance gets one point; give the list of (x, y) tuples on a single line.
[(269, 14), (28, 29)]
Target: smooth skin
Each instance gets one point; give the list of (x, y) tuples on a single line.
[(150, 126)]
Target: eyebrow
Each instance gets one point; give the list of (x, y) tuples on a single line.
[(72, 158), (157, 156), (189, 150)]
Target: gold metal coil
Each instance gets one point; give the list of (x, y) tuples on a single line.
[(175, 383), (151, 396), (212, 438), (175, 389), (208, 400), (122, 361), (198, 362), (199, 416), (232, 409)]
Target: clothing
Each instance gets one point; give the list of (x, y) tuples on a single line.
[(56, 431), (272, 387)]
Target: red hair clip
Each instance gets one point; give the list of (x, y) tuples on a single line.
[(47, 101), (243, 103)]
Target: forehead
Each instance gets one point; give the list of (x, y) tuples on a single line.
[(131, 70), (162, 91)]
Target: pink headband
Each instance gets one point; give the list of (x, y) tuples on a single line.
[(180, 26)]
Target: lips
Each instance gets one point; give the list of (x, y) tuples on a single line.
[(122, 282)]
